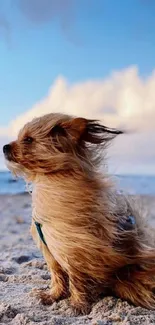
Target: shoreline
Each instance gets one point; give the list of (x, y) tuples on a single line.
[(24, 193), (23, 270)]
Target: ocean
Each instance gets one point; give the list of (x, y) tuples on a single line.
[(129, 184)]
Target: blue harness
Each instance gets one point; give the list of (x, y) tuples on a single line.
[(126, 225)]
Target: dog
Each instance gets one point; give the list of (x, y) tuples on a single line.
[(92, 238)]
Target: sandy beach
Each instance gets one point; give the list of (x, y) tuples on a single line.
[(23, 270)]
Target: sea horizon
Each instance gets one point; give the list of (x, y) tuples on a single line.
[(135, 184)]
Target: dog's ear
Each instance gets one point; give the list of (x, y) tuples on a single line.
[(97, 133), (72, 129), (81, 129)]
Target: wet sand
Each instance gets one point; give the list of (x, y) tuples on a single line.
[(23, 270)]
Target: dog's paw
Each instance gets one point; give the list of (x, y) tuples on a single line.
[(80, 308), (45, 297)]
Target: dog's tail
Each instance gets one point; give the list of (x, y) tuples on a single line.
[(136, 282)]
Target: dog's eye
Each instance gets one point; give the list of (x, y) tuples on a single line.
[(28, 140)]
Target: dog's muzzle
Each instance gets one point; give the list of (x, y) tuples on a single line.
[(6, 148), (7, 151)]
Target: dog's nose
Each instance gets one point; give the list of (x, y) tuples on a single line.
[(6, 148)]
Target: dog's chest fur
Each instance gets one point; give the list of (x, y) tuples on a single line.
[(71, 212)]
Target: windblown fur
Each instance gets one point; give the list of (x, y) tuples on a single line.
[(87, 252)]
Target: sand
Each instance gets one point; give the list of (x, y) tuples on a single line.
[(23, 270)]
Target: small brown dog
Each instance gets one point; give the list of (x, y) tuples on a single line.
[(91, 238)]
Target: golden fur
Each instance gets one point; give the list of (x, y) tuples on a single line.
[(87, 253)]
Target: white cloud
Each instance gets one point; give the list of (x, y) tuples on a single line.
[(124, 99)]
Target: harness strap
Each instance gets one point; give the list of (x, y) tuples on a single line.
[(126, 225), (38, 227)]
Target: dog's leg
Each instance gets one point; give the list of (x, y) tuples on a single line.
[(58, 284), (78, 293)]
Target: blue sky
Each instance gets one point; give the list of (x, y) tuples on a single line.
[(86, 57), (103, 36)]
